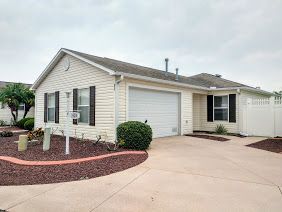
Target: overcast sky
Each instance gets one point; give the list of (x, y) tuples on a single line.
[(241, 40)]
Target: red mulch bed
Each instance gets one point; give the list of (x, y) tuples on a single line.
[(270, 144), (57, 149), (210, 137), (9, 128), (13, 174)]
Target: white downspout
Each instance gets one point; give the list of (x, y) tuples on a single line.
[(117, 82)]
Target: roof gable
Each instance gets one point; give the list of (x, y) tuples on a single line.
[(61, 53), (201, 81)]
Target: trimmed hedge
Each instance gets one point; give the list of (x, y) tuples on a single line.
[(134, 135), (21, 122), (29, 124)]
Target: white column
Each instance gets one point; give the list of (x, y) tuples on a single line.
[(67, 125)]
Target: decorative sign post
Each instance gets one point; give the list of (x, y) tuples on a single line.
[(70, 115), (67, 124)]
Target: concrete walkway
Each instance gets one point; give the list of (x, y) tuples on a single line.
[(181, 174)]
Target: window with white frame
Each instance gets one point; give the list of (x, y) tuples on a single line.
[(83, 105), (221, 108), (21, 106), (51, 107)]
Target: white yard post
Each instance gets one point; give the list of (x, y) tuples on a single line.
[(272, 109), (67, 124)]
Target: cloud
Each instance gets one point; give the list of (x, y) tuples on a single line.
[(239, 39)]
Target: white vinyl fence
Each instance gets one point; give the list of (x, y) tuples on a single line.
[(263, 117)]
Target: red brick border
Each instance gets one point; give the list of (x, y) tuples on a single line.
[(62, 162)]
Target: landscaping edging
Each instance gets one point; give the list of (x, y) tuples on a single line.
[(209, 137), (14, 174), (63, 162)]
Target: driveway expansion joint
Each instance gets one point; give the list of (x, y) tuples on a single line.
[(134, 179), (18, 203), (280, 190), (210, 176), (242, 167)]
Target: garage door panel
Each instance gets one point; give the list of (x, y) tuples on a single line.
[(160, 109)]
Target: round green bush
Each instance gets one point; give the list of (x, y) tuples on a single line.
[(134, 135), (29, 124), (21, 122)]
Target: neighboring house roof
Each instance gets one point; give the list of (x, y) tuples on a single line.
[(201, 81), (3, 84)]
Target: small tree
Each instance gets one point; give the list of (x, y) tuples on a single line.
[(28, 100), (13, 95)]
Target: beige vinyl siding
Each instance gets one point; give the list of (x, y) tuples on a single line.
[(200, 110), (79, 75), (196, 112), (186, 100), (5, 114), (200, 113)]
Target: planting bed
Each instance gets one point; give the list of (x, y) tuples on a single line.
[(57, 149), (270, 144), (210, 137), (7, 128), (14, 174)]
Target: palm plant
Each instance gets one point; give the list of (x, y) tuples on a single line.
[(28, 100), (13, 95)]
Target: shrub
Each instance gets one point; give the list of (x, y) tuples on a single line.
[(221, 130), (2, 123), (134, 135), (21, 122), (29, 124), (6, 134)]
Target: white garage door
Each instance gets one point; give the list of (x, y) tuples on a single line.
[(160, 109)]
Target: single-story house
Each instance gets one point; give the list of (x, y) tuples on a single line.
[(107, 92), (5, 113)]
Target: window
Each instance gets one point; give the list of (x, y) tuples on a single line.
[(83, 105), (51, 107), (221, 108), (21, 106)]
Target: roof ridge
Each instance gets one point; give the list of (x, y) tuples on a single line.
[(220, 78), (136, 64), (107, 58)]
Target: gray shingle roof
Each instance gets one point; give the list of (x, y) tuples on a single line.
[(203, 80), (210, 80), (3, 84)]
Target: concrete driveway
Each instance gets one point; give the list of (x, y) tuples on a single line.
[(181, 174)]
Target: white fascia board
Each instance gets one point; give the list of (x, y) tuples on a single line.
[(150, 79), (111, 72), (243, 88)]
